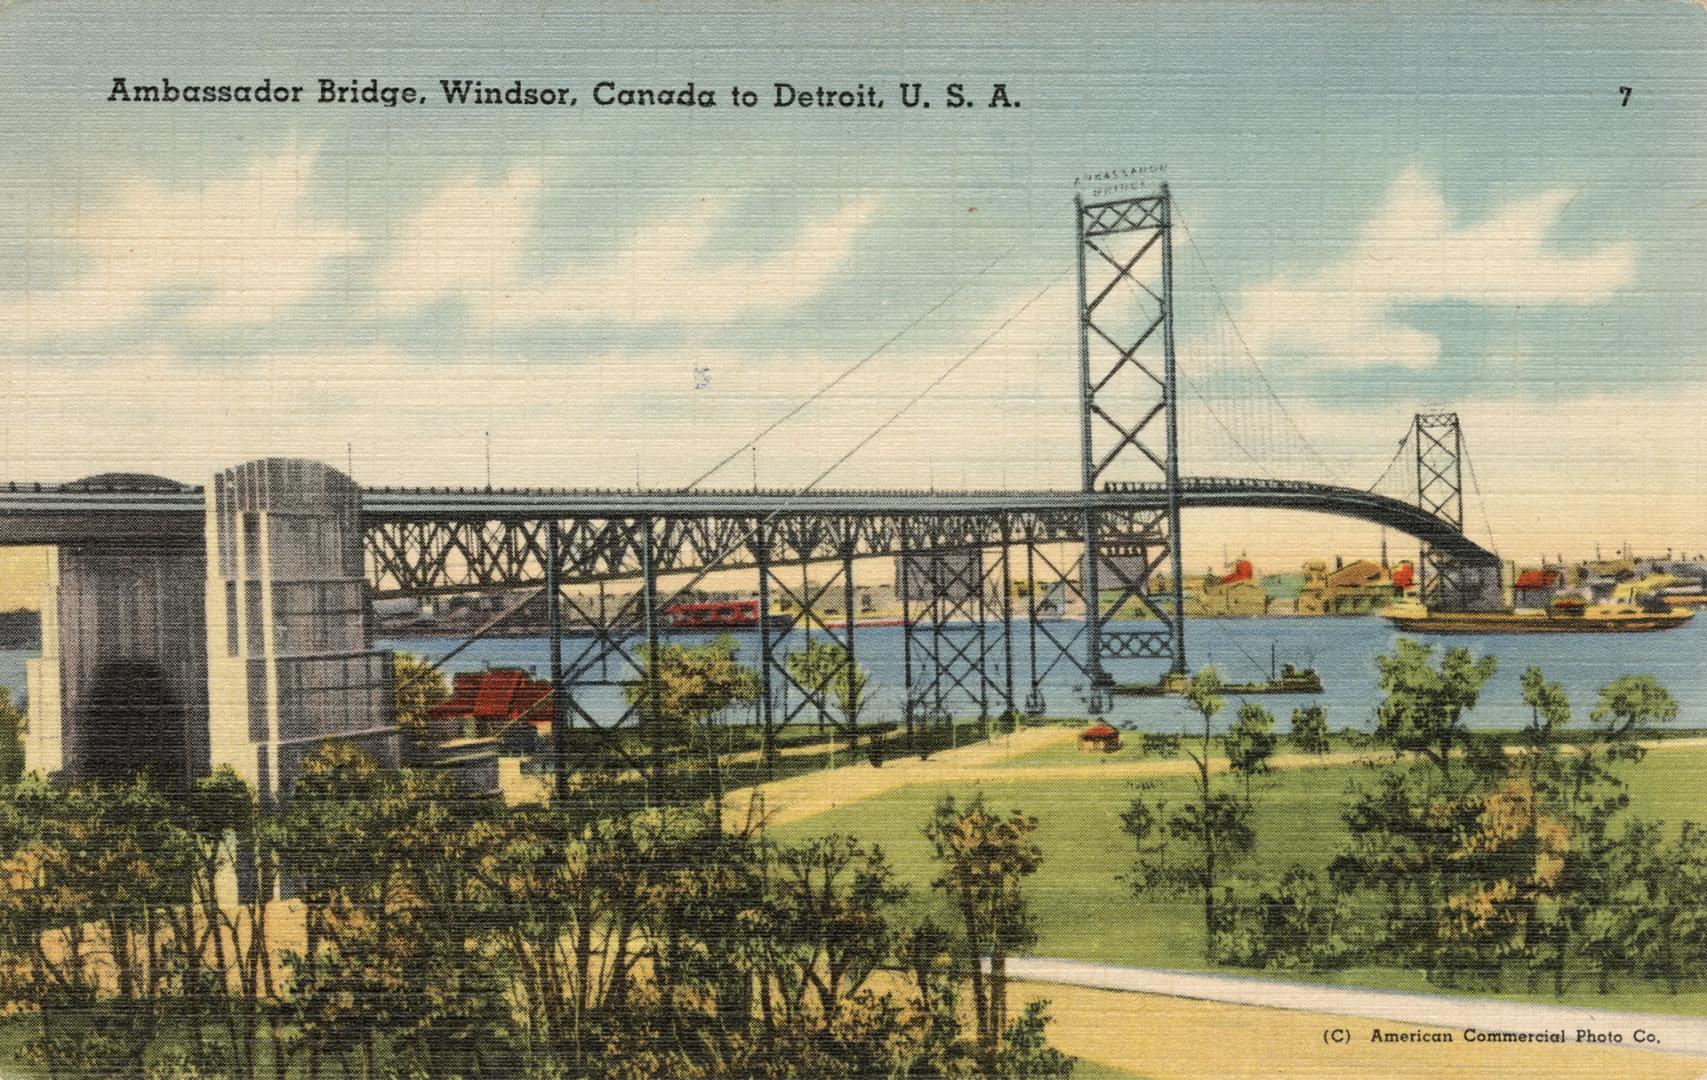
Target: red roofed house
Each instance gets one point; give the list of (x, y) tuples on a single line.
[(1099, 737), (1535, 588), (1242, 571), (1404, 576), (491, 702)]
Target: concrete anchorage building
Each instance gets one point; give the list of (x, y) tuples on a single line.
[(247, 645), (120, 686), (290, 650)]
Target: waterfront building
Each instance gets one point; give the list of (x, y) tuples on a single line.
[(1235, 594), (1536, 588), (1361, 587)]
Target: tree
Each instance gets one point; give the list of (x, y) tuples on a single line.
[(1507, 866), (229, 972), (826, 672), (695, 684), (418, 687), (1540, 767), (1666, 931), (1310, 729), (1406, 827), (1249, 743), (984, 859), (1390, 852), (1298, 921), (1424, 709), (1630, 707), (832, 898), (1591, 912), (335, 845), (1191, 846)]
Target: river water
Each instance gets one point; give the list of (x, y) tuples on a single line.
[(1342, 650)]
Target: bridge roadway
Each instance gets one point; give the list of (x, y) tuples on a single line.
[(143, 510)]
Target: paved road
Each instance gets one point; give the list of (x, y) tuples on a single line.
[(1670, 1034)]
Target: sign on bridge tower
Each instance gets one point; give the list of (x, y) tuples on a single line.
[(1129, 431)]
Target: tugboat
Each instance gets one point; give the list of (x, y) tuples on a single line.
[(1288, 680), (1565, 615)]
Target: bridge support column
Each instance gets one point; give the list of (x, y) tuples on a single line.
[(289, 641), (1010, 716), (653, 711), (761, 548), (1055, 638), (903, 582), (1127, 390), (949, 566), (1034, 704), (855, 696), (559, 687), (1446, 583), (121, 684)]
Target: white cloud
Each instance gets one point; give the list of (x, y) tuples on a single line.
[(245, 247), (473, 239), (1555, 475), (1412, 252), (468, 231)]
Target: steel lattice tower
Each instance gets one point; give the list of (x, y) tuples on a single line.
[(1129, 430), (1439, 445)]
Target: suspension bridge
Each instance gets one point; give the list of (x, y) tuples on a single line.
[(239, 613)]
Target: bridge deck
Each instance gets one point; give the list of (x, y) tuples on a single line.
[(74, 513)]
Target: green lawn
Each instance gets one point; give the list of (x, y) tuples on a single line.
[(1084, 911), (1132, 749)]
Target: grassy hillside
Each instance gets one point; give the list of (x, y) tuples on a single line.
[(1085, 912)]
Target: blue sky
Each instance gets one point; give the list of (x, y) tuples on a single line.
[(1445, 204)]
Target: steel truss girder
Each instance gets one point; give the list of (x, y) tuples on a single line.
[(445, 557)]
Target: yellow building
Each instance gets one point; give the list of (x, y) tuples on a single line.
[(1357, 588), (1214, 598)]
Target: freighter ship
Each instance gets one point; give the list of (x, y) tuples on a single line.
[(1566, 615)]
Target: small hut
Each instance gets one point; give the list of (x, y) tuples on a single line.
[(1099, 738)]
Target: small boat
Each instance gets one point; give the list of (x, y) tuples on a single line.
[(1566, 615), (725, 615), (1288, 680)]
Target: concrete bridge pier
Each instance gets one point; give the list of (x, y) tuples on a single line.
[(121, 684), (289, 638)]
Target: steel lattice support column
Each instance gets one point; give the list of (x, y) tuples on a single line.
[(760, 544), (652, 712), (811, 541), (1129, 428), (1443, 583), (1009, 715), (559, 685), (602, 652), (1053, 586), (949, 633)]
